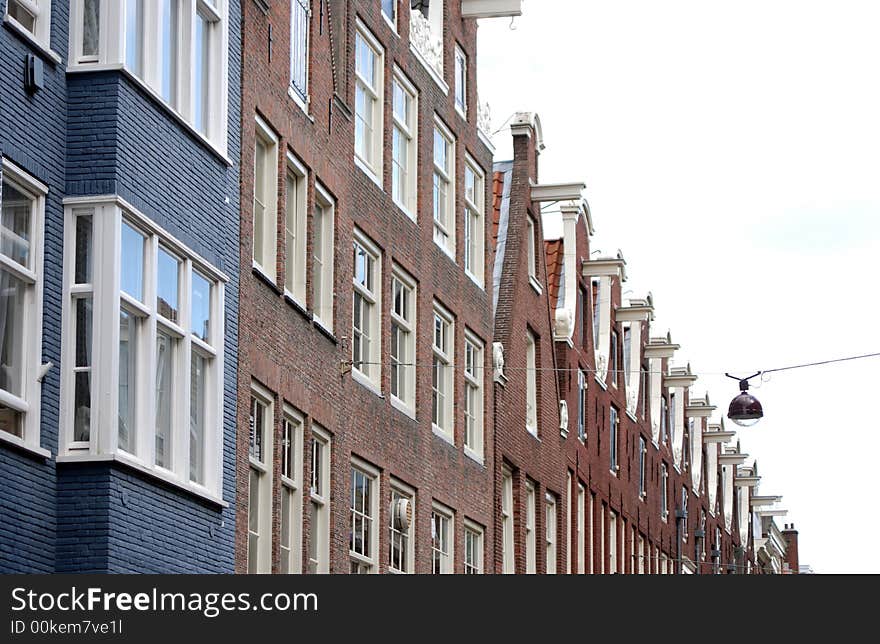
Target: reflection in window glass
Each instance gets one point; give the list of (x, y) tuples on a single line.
[(201, 307), (132, 261), (167, 286)]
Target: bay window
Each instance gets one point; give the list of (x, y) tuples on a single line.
[(21, 279), (159, 307)]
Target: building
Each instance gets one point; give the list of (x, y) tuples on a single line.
[(606, 462), (119, 136), (364, 394)]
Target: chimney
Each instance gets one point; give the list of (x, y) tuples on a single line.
[(791, 547)]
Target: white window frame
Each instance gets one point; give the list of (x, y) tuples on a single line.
[(262, 468), (407, 328), (531, 383), (550, 537), (291, 449), (444, 229), (582, 406), (443, 363), (391, 20), (613, 562), (108, 214), (474, 374), (319, 502), (268, 241), (368, 371), (508, 565), (447, 557), (407, 128), (643, 458), (324, 266), (567, 499), (366, 562), (601, 538), (460, 93), (613, 362), (641, 555), (300, 95), (474, 222), (581, 540), (664, 491), (112, 54), (473, 551), (614, 439), (41, 10), (532, 252), (28, 404), (374, 146), (531, 528), (402, 491), (295, 227)]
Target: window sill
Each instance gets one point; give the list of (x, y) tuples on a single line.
[(449, 253), (602, 383), (393, 28), (406, 211), (367, 170), (294, 303), (445, 436), (326, 331), (18, 443), (402, 407), (474, 456), (303, 104), (533, 434), (191, 488), (536, 285), (258, 271), (632, 417), (365, 382), (41, 48), (476, 280), (433, 73), (461, 113)]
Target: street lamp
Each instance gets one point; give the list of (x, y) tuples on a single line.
[(745, 410)]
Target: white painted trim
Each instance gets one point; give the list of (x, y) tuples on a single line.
[(378, 93), (42, 46)]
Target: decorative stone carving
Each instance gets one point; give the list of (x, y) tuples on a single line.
[(632, 402), (498, 362), (601, 365), (563, 418), (484, 118), (426, 42), (564, 326)]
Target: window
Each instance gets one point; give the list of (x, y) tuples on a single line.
[(291, 493), (684, 510), (567, 501), (645, 389), (507, 556), (550, 533), (363, 545), (672, 418), (207, 22), (531, 385), (34, 16), (580, 531), (612, 543), (643, 451), (21, 275), (323, 257), (473, 395), (368, 102), (260, 482), (442, 539), (664, 418), (389, 10), (595, 290), (614, 441), (365, 342), (461, 81), (444, 188), (442, 372), (85, 47), (166, 370), (615, 365), (583, 320), (473, 548), (664, 491), (601, 538), (582, 406), (641, 556), (300, 15), (531, 250), (265, 199), (473, 221), (295, 230), (627, 353), (401, 547), (404, 149), (319, 502), (403, 339), (531, 545)]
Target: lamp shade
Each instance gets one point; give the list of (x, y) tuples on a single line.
[(745, 410)]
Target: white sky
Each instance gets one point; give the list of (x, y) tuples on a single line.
[(732, 151)]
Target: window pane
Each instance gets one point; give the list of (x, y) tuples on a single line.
[(82, 405), (201, 307), (91, 27), (201, 73), (299, 38), (167, 286), (127, 380), (12, 326), (197, 406), (256, 430), (15, 226), (24, 17), (133, 23), (317, 468), (132, 261), (165, 350), (168, 15), (83, 255), (389, 9)]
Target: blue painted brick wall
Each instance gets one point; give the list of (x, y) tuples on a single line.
[(100, 133)]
